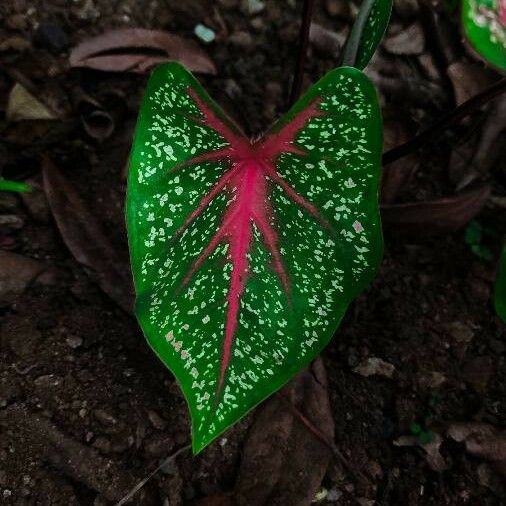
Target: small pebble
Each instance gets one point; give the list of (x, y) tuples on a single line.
[(204, 33), (156, 420), (252, 7), (74, 341)]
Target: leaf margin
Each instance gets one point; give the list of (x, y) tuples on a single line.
[(175, 367)]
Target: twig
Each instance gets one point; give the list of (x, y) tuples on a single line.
[(439, 126), (143, 482), (319, 435), (307, 14)]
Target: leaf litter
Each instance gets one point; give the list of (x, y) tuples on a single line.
[(139, 50)]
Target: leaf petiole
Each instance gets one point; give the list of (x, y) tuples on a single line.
[(350, 51)]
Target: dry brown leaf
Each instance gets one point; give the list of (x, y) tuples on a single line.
[(22, 105), (86, 239), (97, 122), (328, 42), (138, 50), (481, 440), (375, 366), (439, 216), (468, 79), (432, 450), (409, 41), (274, 469)]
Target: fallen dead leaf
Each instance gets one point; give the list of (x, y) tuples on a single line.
[(408, 41), (274, 467), (97, 122), (86, 239), (15, 43), (432, 450), (375, 366), (22, 105), (328, 42), (439, 216), (468, 79), (431, 379), (481, 440), (16, 273), (138, 50)]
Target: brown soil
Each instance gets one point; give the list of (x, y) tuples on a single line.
[(75, 371)]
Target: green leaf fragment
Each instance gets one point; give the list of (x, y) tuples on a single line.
[(500, 288), (14, 186), (484, 25), (367, 32), (245, 254)]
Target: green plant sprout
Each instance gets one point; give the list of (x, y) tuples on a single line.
[(14, 186), (424, 436), (474, 238), (247, 252), (484, 25)]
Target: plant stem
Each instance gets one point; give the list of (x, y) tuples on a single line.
[(439, 126), (349, 54), (143, 482), (307, 14)]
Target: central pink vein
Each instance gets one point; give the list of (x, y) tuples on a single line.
[(252, 166)]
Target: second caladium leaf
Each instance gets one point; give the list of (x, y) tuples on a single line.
[(484, 23), (367, 32), (246, 253)]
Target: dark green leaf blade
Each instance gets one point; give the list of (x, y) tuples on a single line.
[(246, 255)]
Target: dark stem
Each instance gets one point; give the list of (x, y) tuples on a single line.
[(307, 14), (439, 126)]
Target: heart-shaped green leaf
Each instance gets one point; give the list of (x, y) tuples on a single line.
[(245, 253), (500, 288), (367, 32), (484, 24)]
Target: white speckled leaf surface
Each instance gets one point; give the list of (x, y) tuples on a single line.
[(246, 256)]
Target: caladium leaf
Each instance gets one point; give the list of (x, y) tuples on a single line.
[(484, 24), (500, 288), (367, 32), (246, 254)]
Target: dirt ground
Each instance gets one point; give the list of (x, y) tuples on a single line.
[(87, 410)]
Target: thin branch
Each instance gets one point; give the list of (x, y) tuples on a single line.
[(143, 482), (307, 14), (439, 126)]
